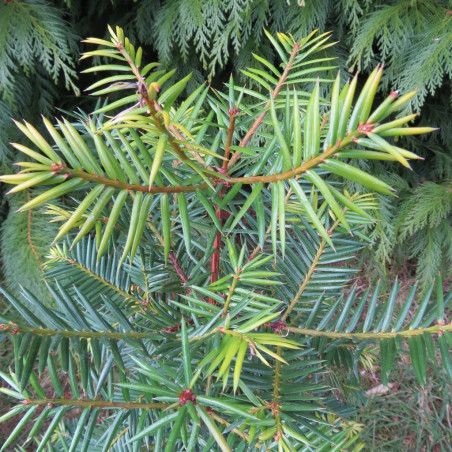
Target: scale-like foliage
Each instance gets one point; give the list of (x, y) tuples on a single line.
[(36, 49), (199, 299), (424, 222)]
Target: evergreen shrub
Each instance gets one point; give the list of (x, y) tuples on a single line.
[(198, 273)]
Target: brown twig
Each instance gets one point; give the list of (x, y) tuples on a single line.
[(215, 265), (309, 275), (153, 105), (250, 180), (95, 403), (258, 121)]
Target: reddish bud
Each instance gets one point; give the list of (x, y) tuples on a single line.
[(366, 128), (186, 396), (277, 326)]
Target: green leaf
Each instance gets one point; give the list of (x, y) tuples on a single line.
[(221, 353), (385, 146), (221, 404), (233, 346), (257, 321), (334, 114), (365, 99), (325, 190), (89, 429), (370, 315), (347, 95), (282, 215), (55, 192), (285, 153), (141, 223), (268, 64), (78, 213), (185, 221), (107, 67), (297, 139), (256, 191), (274, 216), (418, 358), (33, 154), (214, 430), (96, 211), (19, 427), (168, 97), (51, 428), (275, 44), (356, 175), (134, 217), (386, 317), (312, 126), (297, 189), (258, 76), (158, 158), (176, 430), (421, 309), (155, 426), (297, 436), (30, 361), (186, 354), (349, 203), (38, 179), (398, 103), (79, 430), (209, 209), (238, 365), (112, 220), (166, 224), (387, 353), (80, 148), (445, 354)]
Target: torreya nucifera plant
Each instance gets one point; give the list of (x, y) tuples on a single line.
[(197, 305)]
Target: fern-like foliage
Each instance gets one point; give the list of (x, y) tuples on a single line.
[(407, 37), (199, 301), (26, 242), (36, 49), (424, 222), (419, 222)]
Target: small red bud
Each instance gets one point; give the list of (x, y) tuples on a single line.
[(186, 396)]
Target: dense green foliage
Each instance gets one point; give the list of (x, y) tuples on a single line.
[(199, 303), (412, 39)]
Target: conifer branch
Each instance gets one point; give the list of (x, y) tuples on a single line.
[(258, 121), (435, 329), (111, 286), (96, 404), (309, 275)]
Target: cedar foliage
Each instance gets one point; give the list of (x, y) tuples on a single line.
[(198, 305), (37, 48)]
